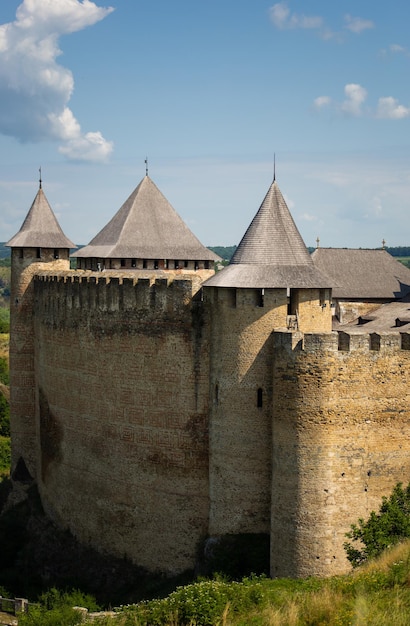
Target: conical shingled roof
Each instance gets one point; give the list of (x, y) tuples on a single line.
[(272, 253), (146, 226), (40, 229)]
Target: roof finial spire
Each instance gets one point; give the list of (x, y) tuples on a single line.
[(274, 167), (146, 166), (383, 243), (40, 181), (317, 242)]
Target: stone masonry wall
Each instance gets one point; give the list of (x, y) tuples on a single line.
[(122, 375), (25, 264), (241, 361), (340, 441)]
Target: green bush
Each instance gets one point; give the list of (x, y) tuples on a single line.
[(382, 530), (55, 608), (5, 455), (4, 319)]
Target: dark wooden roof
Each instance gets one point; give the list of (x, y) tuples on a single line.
[(146, 227), (40, 229), (363, 274), (272, 253)]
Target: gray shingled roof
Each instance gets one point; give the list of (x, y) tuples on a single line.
[(146, 227), (272, 253), (360, 274), (383, 319), (40, 229)]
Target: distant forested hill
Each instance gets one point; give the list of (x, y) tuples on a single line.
[(225, 252)]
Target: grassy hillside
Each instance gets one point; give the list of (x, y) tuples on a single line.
[(375, 594)]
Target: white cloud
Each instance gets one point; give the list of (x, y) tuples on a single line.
[(321, 101), (389, 108), (34, 88), (282, 18), (355, 97), (395, 47), (357, 24)]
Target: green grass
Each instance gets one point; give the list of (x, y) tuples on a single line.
[(374, 594)]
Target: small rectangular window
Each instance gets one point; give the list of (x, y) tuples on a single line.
[(56, 254), (122, 262), (134, 263), (259, 398), (144, 264), (260, 298), (39, 253)]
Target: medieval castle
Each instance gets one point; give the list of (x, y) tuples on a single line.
[(156, 403)]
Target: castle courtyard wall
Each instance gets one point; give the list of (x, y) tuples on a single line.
[(340, 441), (122, 375)]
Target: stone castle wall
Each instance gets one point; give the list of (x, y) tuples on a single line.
[(25, 264), (341, 409), (307, 431), (122, 371)]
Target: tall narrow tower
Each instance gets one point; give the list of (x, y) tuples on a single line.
[(270, 284), (40, 244)]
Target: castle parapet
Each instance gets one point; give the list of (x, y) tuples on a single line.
[(340, 341), (91, 291)]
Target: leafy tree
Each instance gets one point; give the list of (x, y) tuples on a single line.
[(382, 530)]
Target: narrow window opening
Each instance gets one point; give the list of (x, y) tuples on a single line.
[(260, 295), (207, 265), (196, 265), (156, 264), (322, 298), (56, 254), (38, 253), (405, 341), (176, 265), (292, 301), (21, 253), (343, 342), (122, 262), (232, 298), (133, 262), (185, 263), (259, 398), (144, 264), (374, 341), (216, 394)]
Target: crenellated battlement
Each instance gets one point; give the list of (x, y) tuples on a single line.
[(115, 292), (341, 341)]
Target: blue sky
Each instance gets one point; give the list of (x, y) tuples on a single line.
[(209, 92)]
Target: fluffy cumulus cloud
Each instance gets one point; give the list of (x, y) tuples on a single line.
[(353, 104), (389, 108), (34, 89), (354, 100)]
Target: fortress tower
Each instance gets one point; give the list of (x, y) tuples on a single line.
[(270, 284), (39, 245)]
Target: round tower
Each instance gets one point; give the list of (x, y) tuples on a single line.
[(40, 244), (271, 283)]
